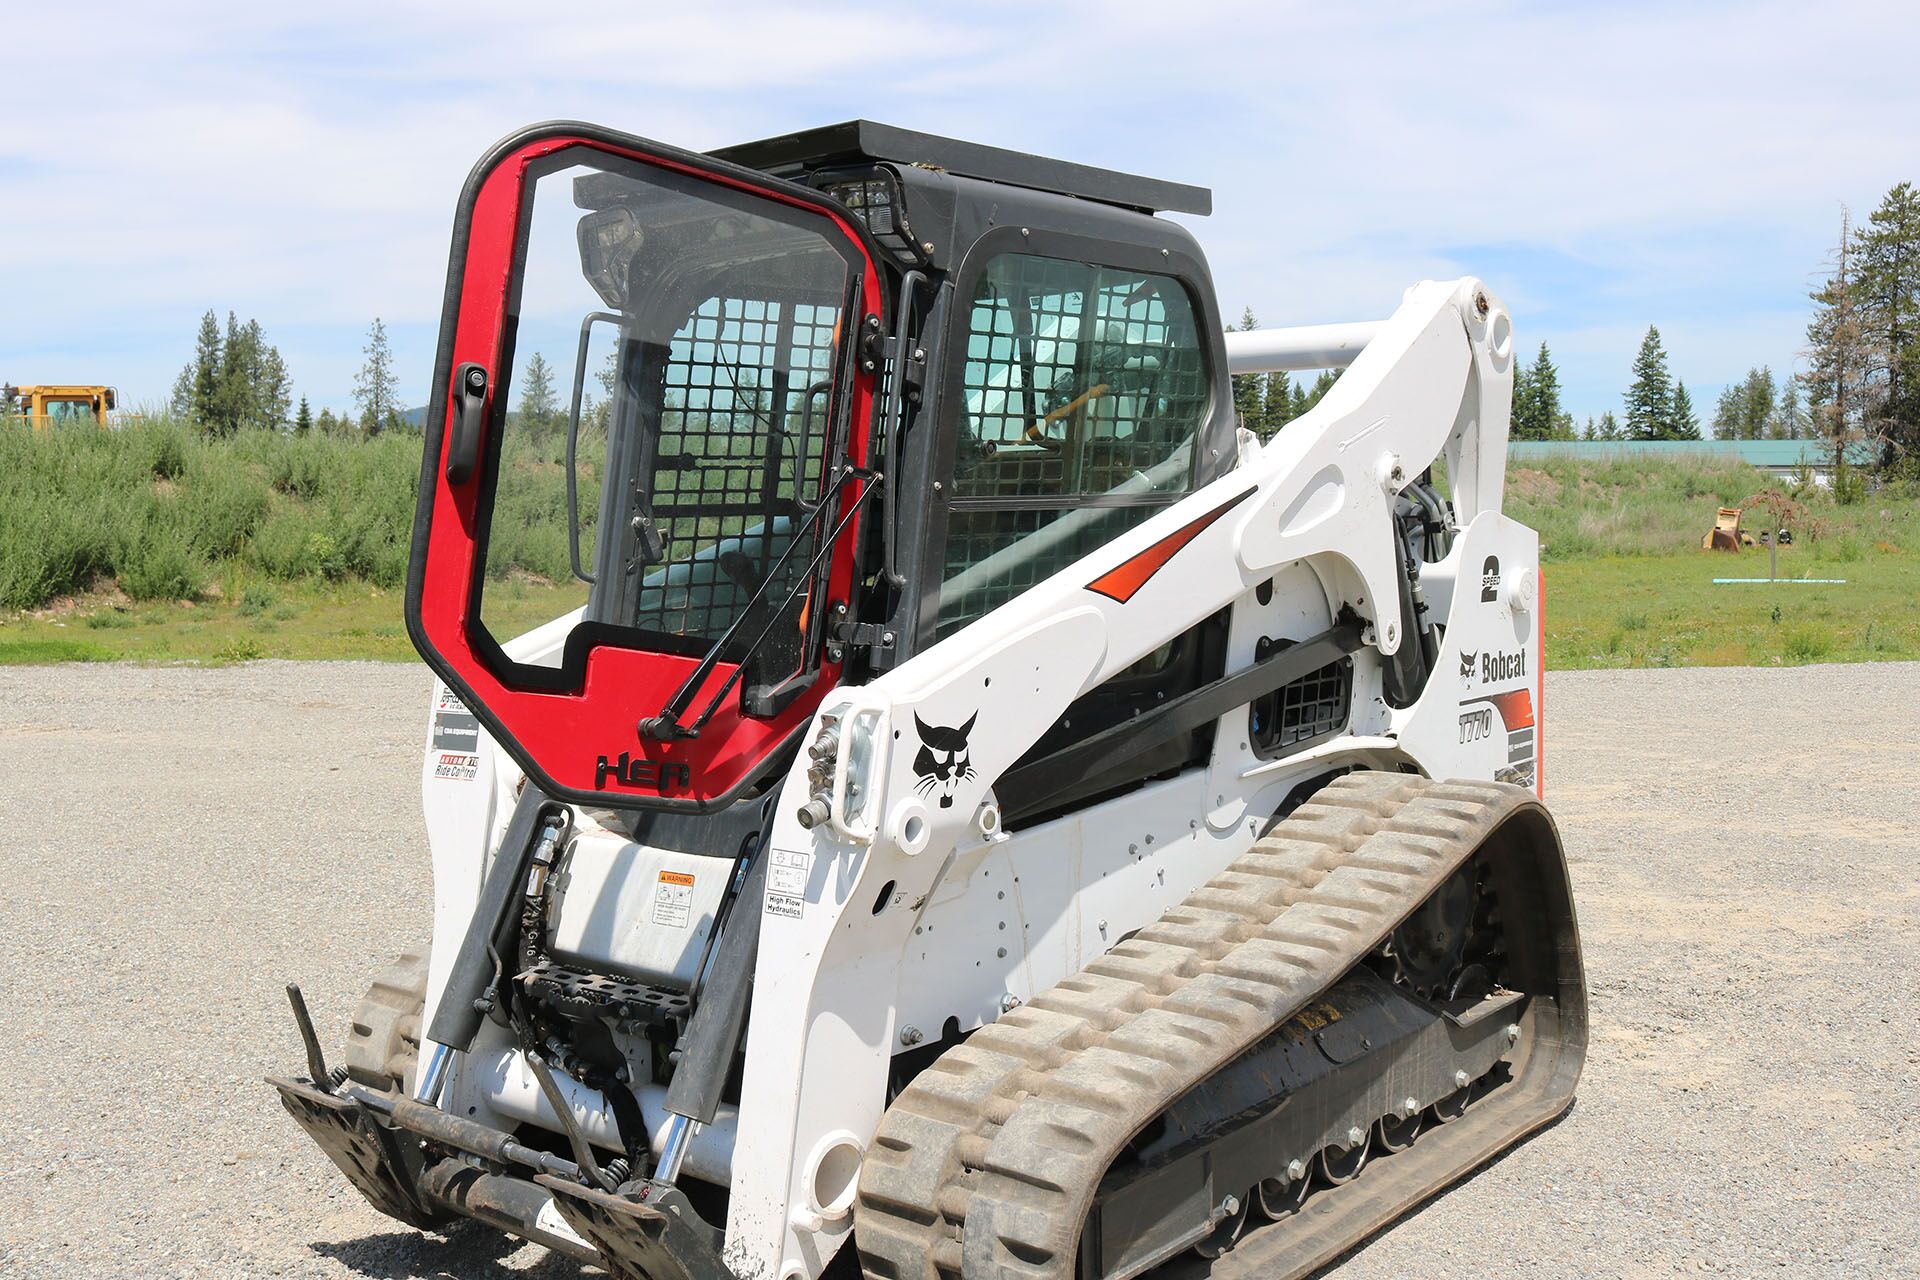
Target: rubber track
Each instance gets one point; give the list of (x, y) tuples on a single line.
[(987, 1164), (383, 1044)]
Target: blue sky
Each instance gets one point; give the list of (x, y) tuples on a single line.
[(1602, 166)]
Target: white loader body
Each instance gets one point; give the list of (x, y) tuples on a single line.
[(910, 914)]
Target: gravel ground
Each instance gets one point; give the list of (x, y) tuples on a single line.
[(1751, 940)]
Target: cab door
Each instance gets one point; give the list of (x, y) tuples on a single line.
[(646, 458)]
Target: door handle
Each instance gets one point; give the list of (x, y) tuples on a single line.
[(469, 404)]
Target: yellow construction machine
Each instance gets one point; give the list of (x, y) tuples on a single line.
[(48, 404)]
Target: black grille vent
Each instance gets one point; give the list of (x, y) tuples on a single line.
[(1311, 708)]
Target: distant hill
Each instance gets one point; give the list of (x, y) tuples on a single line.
[(414, 417)]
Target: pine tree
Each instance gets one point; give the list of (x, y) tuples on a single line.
[(1609, 428), (375, 388), (1650, 398), (1588, 432), (538, 405), (1276, 407), (1520, 419), (233, 396), (1249, 389), (1726, 412), (1791, 419), (1536, 399), (180, 402), (1685, 424), (206, 373), (325, 423), (1888, 275), (303, 420), (275, 392), (1756, 415), (232, 385), (1322, 385)]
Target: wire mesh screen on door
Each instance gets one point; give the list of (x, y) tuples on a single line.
[(739, 461)]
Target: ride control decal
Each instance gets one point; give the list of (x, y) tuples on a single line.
[(1122, 583), (944, 761), (456, 767), (454, 741)]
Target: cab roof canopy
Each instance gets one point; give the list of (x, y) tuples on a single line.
[(858, 142)]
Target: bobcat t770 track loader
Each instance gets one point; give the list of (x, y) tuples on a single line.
[(985, 813)]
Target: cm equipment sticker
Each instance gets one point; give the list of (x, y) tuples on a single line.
[(456, 765), (454, 727), (673, 900)]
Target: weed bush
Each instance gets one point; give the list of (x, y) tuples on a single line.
[(162, 509), (159, 507), (1807, 644)]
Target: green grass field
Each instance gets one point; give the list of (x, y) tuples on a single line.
[(316, 619), (153, 545), (1628, 586)]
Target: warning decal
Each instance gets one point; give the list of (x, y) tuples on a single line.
[(673, 900), (456, 766)]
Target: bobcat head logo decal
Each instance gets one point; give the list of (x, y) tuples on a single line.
[(943, 760), (1467, 661)]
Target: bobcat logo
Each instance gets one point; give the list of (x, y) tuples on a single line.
[(1467, 663), (943, 760)]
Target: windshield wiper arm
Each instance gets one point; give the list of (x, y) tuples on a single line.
[(666, 725)]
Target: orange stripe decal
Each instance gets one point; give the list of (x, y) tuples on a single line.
[(1120, 584)]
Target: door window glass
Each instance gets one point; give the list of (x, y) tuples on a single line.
[(696, 329)]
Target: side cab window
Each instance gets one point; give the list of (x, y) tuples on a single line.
[(1085, 395), (1084, 392)]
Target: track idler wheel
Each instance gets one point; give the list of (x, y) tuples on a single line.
[(1341, 1165), (1227, 1230), (1276, 1198), (1396, 1133)]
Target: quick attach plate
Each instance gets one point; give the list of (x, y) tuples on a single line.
[(381, 1162), (646, 1232)]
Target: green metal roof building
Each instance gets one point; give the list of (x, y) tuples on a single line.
[(1783, 458)]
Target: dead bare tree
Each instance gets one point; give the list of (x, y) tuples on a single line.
[(1842, 356)]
